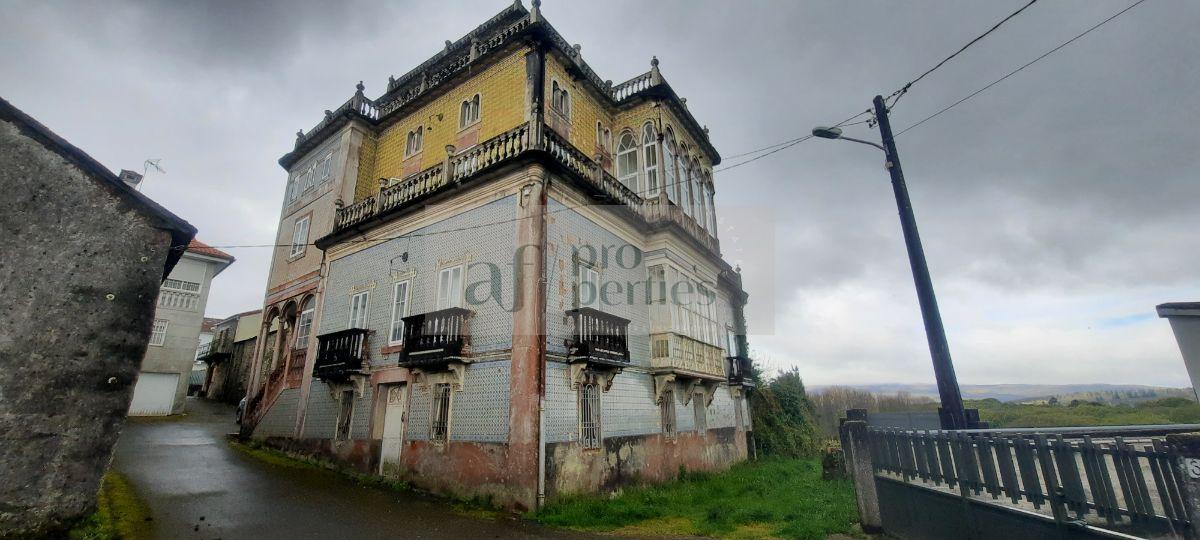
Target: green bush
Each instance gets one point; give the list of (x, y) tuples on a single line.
[(782, 417)]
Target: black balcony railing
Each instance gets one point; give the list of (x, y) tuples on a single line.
[(738, 368), (341, 353), (436, 337), (599, 337)]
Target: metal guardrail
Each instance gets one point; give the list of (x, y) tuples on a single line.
[(1113, 484)]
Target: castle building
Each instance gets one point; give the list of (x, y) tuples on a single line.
[(502, 278)]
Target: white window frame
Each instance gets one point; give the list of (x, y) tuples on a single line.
[(182, 285), (400, 303), (469, 112), (650, 158), (447, 298), (158, 336), (304, 325), (360, 304), (628, 177), (584, 271), (300, 236), (413, 142)]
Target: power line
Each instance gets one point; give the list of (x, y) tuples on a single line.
[(1015, 71), (904, 89), (788, 144)]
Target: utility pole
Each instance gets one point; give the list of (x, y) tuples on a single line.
[(951, 413)]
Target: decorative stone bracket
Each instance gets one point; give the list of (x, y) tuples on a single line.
[(661, 384), (456, 374), (357, 382), (580, 374), (691, 386)]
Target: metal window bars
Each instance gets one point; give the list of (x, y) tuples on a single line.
[(439, 425), (589, 415)]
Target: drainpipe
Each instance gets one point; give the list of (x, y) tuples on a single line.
[(541, 366)]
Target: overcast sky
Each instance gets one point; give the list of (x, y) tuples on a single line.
[(1056, 208)]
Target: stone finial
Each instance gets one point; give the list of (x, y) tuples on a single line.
[(578, 49), (450, 150), (608, 83), (300, 134), (738, 269), (706, 131), (383, 182), (535, 13), (328, 114), (391, 82), (338, 203), (448, 44), (655, 75), (359, 87)]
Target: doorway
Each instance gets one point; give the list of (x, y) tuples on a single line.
[(394, 418)]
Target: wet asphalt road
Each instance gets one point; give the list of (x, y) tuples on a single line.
[(198, 487)]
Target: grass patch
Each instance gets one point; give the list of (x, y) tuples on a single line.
[(776, 498), (120, 514)]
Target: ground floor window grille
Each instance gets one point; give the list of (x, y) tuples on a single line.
[(667, 408), (439, 424), (345, 415), (589, 415), (701, 410)]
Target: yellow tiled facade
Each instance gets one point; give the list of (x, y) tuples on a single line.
[(501, 87)]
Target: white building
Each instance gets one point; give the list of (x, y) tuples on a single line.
[(166, 369)]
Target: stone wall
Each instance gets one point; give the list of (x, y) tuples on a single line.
[(81, 268)]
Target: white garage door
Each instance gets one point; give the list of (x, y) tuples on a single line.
[(154, 394)]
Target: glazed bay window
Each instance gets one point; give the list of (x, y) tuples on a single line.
[(399, 311), (439, 413), (358, 309), (450, 287), (589, 415), (304, 323), (158, 335), (650, 159), (299, 236)]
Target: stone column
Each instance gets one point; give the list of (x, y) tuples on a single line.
[(853, 434)]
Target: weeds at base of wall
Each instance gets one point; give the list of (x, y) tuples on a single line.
[(477, 507), (773, 498), (120, 514)]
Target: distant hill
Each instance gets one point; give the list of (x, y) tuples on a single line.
[(1036, 393)]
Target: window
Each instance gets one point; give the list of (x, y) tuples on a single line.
[(345, 415), (702, 209), (439, 415), (667, 409), (399, 311), (686, 199), (468, 112), (603, 138), (670, 161), (413, 144), (712, 208), (358, 309), (730, 342), (701, 411), (627, 162), (299, 236), (589, 415), (450, 287), (560, 100), (181, 285), (650, 158), (304, 323), (587, 293), (316, 173), (158, 335)]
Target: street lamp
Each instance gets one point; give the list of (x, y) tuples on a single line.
[(952, 414)]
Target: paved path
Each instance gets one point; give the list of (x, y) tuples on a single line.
[(198, 487)]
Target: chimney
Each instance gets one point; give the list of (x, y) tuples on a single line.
[(131, 178)]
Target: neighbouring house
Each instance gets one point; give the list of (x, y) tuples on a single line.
[(207, 330), (167, 367), (502, 278), (230, 355), (1185, 323), (82, 256)]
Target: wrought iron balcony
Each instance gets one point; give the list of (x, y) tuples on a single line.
[(682, 355), (433, 339), (599, 338), (341, 354), (738, 369)]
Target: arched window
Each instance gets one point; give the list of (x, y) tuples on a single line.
[(413, 144), (670, 180), (603, 138), (560, 100), (686, 200), (627, 160), (702, 199), (468, 112), (304, 323), (650, 159), (712, 207)]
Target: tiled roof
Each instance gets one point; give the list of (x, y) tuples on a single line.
[(196, 246)]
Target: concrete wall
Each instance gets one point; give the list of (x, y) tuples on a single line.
[(80, 272)]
